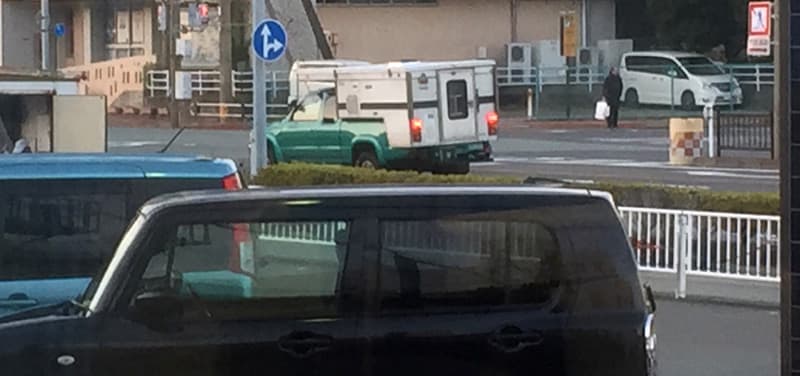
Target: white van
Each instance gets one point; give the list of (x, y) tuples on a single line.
[(695, 80)]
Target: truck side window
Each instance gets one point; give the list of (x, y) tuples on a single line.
[(309, 109), (330, 112), (457, 100)]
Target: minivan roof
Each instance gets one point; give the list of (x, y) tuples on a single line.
[(111, 166), (221, 197), (675, 54)]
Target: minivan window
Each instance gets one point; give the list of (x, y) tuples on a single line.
[(700, 66), (446, 265)]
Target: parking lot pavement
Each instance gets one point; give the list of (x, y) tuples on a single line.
[(701, 339)]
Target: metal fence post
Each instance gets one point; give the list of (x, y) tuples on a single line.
[(538, 92), (683, 250)]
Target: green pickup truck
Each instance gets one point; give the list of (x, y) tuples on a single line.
[(312, 132)]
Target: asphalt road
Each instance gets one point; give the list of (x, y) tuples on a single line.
[(707, 339), (633, 155)]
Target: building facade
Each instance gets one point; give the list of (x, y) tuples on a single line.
[(382, 30)]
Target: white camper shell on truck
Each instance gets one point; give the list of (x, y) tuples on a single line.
[(312, 75), (442, 103)]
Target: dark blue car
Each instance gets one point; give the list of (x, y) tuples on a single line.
[(62, 215)]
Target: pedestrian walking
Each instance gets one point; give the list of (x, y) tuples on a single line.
[(612, 91)]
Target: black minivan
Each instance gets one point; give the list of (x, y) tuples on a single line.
[(359, 281)]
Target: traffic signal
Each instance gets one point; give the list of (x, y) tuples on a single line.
[(202, 10)]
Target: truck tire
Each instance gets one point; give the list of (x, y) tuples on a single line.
[(367, 159)]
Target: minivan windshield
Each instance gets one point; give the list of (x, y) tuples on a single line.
[(700, 66)]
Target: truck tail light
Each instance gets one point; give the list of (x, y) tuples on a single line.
[(241, 256), (415, 125), (492, 119)]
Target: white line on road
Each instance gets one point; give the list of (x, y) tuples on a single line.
[(724, 174), (132, 144)]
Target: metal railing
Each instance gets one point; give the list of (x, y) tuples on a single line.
[(208, 81), (744, 131), (683, 242), (727, 245), (236, 110)]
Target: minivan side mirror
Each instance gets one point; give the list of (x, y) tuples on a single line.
[(672, 73), (158, 310)]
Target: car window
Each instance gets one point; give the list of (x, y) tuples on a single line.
[(59, 229), (330, 110), (295, 268), (457, 100), (701, 66), (309, 109), (450, 265)]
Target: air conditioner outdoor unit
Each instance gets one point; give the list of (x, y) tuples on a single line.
[(588, 62), (519, 61)]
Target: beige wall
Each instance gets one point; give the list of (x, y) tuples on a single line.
[(453, 29)]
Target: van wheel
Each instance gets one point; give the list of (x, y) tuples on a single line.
[(367, 159), (687, 101), (631, 98)]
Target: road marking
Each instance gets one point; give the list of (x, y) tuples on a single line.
[(724, 174), (132, 144)]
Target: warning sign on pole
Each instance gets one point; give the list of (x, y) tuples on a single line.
[(759, 28)]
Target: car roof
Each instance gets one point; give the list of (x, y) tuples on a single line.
[(675, 54), (187, 198), (111, 166)]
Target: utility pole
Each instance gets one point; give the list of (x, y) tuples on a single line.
[(225, 53), (173, 32), (45, 34), (779, 93)]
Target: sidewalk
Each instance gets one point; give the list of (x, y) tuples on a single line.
[(715, 289), (162, 121), (518, 122)]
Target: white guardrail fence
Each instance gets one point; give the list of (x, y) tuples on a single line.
[(208, 81), (711, 244)]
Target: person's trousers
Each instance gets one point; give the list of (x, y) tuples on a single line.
[(613, 115)]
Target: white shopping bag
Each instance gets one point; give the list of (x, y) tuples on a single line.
[(601, 110)]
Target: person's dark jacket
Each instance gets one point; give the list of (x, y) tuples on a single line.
[(612, 89)]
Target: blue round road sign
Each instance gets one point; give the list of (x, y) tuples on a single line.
[(59, 29), (269, 40)]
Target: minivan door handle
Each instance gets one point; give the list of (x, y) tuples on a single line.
[(510, 339), (304, 344)]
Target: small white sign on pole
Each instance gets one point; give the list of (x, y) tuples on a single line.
[(183, 85)]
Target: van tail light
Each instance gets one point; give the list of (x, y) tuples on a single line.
[(492, 119), (241, 254), (415, 126)]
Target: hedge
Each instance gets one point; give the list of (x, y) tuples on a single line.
[(642, 195)]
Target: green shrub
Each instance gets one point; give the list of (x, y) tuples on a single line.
[(300, 174), (625, 194)]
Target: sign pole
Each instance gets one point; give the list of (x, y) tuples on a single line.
[(258, 156)]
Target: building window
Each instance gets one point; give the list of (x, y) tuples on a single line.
[(69, 37), (376, 2)]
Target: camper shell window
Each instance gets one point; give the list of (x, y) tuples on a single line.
[(457, 100)]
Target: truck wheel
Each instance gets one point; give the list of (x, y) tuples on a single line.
[(367, 159)]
